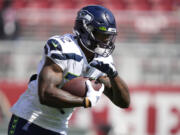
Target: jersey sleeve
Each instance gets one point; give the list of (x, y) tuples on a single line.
[(54, 50)]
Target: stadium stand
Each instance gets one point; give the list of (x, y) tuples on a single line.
[(138, 20), (116, 4), (147, 56), (168, 5)]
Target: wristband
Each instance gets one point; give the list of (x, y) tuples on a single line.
[(86, 103)]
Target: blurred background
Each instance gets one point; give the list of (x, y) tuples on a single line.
[(147, 57)]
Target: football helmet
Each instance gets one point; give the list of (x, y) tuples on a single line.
[(95, 27)]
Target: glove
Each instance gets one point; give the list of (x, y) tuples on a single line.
[(105, 67), (92, 96)]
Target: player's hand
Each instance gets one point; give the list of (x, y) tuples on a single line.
[(92, 95), (106, 67)]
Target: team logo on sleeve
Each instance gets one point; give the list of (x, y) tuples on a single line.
[(54, 45)]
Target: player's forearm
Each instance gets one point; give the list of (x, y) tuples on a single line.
[(60, 99), (49, 94), (120, 90), (116, 90)]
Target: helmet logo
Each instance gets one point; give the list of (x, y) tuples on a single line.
[(112, 29), (85, 15), (102, 28)]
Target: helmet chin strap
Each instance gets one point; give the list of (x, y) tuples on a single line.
[(76, 32), (85, 46)]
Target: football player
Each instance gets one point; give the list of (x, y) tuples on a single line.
[(44, 108)]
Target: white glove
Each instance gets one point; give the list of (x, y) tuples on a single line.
[(105, 67), (92, 95)]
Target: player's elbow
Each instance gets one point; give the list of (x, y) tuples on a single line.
[(43, 96), (126, 103), (42, 99), (123, 103)]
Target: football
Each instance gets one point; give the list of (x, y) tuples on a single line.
[(77, 86)]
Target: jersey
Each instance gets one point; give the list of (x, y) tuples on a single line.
[(66, 53)]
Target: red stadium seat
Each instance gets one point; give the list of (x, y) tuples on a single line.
[(64, 4), (1, 4), (162, 5), (94, 2), (176, 5), (89, 2), (38, 4), (139, 5), (116, 5), (18, 4)]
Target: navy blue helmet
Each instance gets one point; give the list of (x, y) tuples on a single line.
[(95, 27)]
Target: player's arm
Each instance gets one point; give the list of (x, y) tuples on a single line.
[(116, 90), (49, 93), (50, 77)]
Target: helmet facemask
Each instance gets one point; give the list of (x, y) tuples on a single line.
[(104, 43)]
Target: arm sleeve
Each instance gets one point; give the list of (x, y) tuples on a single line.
[(54, 50)]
